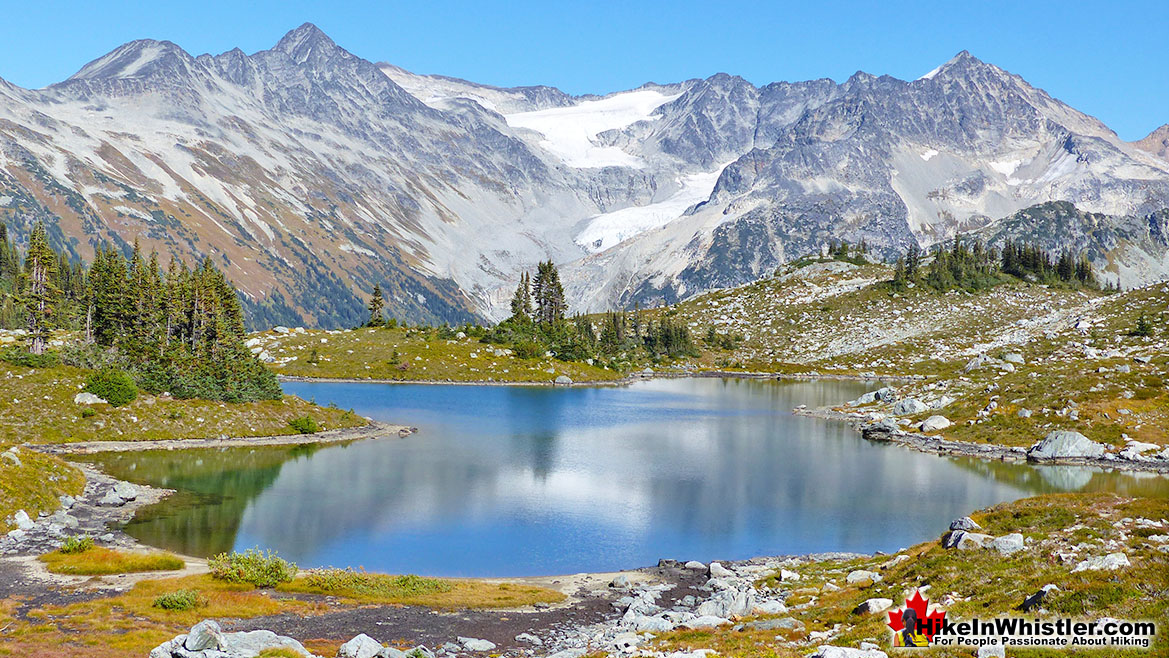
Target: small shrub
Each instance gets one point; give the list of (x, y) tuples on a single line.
[(19, 357), (77, 544), (183, 599), (528, 349), (359, 583), (88, 412), (305, 425), (1144, 327), (259, 568), (113, 386)]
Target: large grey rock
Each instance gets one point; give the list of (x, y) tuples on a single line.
[(111, 499), (706, 621), (475, 644), (872, 606), (728, 603), (563, 380), (361, 646), (783, 623), (1110, 562), (909, 406), (964, 523), (1008, 544), (126, 491), (861, 576), (87, 398), (717, 570), (22, 521), (695, 565), (252, 643), (935, 423), (966, 541), (1064, 444), (204, 635)]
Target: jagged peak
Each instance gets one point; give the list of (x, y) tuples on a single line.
[(299, 43), (129, 60), (961, 64)]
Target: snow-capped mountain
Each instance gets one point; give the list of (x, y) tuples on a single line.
[(310, 174)]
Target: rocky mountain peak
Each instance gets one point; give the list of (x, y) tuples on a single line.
[(1156, 143), (136, 59), (305, 42)]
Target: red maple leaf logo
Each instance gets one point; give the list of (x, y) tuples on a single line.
[(929, 622)]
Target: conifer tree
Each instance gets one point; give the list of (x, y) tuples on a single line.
[(376, 304), (38, 289)]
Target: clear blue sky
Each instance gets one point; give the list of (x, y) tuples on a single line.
[(1108, 59)]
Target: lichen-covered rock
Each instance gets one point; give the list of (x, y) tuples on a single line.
[(1065, 444)]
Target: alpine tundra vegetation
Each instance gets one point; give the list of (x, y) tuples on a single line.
[(185, 238)]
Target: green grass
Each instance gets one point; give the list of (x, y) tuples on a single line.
[(410, 355), (36, 485), (37, 406), (99, 561), (371, 588)]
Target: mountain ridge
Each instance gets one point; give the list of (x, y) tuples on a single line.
[(310, 174)]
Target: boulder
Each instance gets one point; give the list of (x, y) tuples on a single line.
[(873, 606), (909, 406), (205, 635), (788, 576), (1110, 562), (126, 491), (1014, 357), (529, 638), (87, 398), (563, 380), (717, 570), (706, 621), (769, 607), (728, 603), (964, 523), (783, 623), (1064, 444), (569, 653), (976, 363), (941, 402), (695, 565), (1008, 544), (966, 541), (10, 455), (867, 398), (362, 646), (887, 394), (475, 644), (111, 499), (935, 423), (862, 576), (253, 643), (644, 623), (22, 521), (621, 582)]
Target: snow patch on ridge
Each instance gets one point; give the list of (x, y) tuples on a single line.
[(569, 131), (608, 229)]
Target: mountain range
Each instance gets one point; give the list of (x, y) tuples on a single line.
[(310, 174)]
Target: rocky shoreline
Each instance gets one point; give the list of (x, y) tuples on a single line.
[(371, 430), (883, 431)]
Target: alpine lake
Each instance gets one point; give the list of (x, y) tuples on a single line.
[(522, 481)]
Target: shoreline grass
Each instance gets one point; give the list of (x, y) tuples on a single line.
[(101, 561)]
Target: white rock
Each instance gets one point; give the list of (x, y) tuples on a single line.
[(787, 576), (111, 499), (873, 606), (87, 398), (1008, 544), (861, 575), (475, 644), (1064, 444), (362, 646), (695, 565), (935, 423), (126, 491), (909, 406), (717, 570), (204, 635), (22, 521), (1110, 562)]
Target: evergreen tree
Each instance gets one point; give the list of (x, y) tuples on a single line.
[(549, 295), (376, 304), (521, 302), (38, 289)]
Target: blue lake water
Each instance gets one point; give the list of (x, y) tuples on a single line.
[(503, 481)]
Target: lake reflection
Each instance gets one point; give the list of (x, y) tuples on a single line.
[(525, 481)]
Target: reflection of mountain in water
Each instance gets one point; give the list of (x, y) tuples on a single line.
[(504, 481), (213, 487)]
